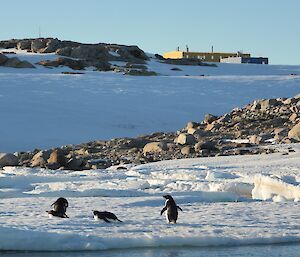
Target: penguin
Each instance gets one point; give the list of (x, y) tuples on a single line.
[(171, 208), (59, 208), (105, 216)]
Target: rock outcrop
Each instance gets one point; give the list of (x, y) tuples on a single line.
[(8, 159), (294, 133), (14, 62), (248, 130), (87, 55)]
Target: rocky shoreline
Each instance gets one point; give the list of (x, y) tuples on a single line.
[(248, 130)]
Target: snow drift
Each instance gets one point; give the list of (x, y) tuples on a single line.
[(271, 188)]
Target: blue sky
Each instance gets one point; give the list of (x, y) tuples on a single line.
[(261, 27)]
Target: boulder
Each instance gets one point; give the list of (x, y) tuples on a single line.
[(136, 143), (255, 106), (294, 133), (64, 51), (209, 118), (185, 139), (213, 125), (155, 147), (74, 164), (73, 64), (293, 117), (52, 45), (266, 104), (223, 119), (24, 44), (191, 131), (87, 52), (176, 69), (8, 159), (38, 45), (136, 66), (3, 59), (134, 72), (40, 158), (16, 63), (208, 145), (192, 124), (57, 156), (290, 101), (6, 44), (133, 52), (101, 65), (254, 139), (295, 109), (187, 150)]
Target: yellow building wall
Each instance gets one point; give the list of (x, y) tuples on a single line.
[(211, 56), (203, 56), (173, 55)]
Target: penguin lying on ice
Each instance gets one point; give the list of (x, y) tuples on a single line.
[(59, 208), (105, 216), (171, 208)]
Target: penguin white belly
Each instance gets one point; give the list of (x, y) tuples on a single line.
[(97, 218), (167, 219), (101, 220)]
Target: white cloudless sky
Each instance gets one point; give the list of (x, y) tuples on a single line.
[(262, 27)]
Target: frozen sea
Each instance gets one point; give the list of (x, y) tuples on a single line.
[(276, 250), (227, 202), (43, 108)]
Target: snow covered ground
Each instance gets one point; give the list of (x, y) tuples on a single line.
[(219, 197), (42, 108), (236, 200)]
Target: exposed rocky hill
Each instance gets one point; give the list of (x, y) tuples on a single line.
[(97, 55), (79, 56), (249, 130)]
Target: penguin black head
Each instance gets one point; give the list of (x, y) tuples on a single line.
[(62, 202), (168, 197)]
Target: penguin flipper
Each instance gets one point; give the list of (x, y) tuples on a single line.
[(179, 207), (163, 210)]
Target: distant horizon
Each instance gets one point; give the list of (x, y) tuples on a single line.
[(263, 28)]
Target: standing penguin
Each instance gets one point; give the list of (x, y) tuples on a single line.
[(171, 208), (59, 208)]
